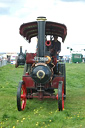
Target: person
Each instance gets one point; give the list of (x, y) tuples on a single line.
[(55, 48)]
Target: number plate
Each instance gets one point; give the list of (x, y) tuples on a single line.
[(41, 59)]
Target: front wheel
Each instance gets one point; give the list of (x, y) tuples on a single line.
[(60, 96), (21, 96), (16, 65)]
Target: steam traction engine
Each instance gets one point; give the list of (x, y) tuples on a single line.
[(20, 59), (40, 78)]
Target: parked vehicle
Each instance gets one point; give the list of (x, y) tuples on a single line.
[(77, 58)]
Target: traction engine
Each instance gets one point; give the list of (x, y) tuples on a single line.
[(40, 77), (20, 60)]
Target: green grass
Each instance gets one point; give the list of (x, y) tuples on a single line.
[(42, 114)]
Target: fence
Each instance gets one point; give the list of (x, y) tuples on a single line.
[(3, 62)]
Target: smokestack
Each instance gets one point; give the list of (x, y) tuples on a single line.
[(20, 49), (41, 36)]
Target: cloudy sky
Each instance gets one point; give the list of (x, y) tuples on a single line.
[(15, 12)]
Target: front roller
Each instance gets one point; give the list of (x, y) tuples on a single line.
[(60, 96), (21, 96)]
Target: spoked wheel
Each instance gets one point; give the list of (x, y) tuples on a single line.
[(60, 96), (16, 65), (21, 96)]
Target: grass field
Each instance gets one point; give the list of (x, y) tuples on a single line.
[(42, 114)]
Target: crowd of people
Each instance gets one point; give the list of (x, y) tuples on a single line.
[(3, 61)]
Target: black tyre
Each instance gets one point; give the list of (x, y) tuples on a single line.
[(64, 82), (62, 70), (60, 96)]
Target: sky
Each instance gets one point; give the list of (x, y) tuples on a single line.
[(13, 13)]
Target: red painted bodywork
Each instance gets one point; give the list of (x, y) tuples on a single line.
[(30, 58), (56, 80), (29, 83)]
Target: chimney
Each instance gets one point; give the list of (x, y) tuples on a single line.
[(20, 49), (41, 36)]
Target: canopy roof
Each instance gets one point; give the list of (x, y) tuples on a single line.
[(29, 30)]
